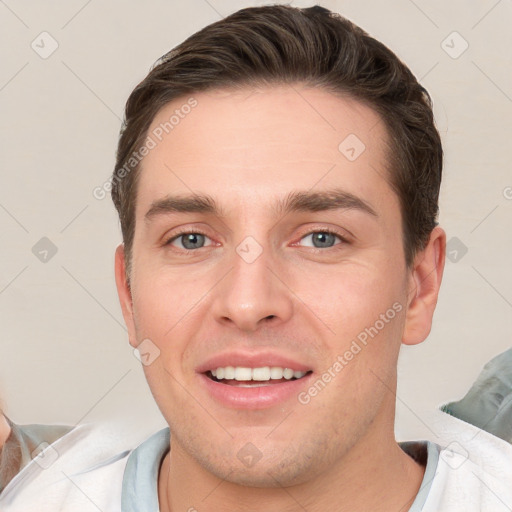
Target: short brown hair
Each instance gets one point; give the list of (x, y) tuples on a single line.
[(280, 44)]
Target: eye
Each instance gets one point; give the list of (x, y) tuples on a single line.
[(323, 239), (190, 240)]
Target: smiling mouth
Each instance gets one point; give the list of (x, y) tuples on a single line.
[(254, 377)]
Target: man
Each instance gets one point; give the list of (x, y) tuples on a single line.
[(287, 207), (277, 181)]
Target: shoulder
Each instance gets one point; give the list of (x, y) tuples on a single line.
[(81, 470), (474, 470)]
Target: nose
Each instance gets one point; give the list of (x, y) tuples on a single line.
[(253, 293)]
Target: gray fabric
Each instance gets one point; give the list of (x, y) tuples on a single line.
[(488, 403)]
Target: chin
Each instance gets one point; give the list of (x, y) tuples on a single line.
[(275, 467)]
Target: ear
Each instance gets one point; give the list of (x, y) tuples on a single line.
[(125, 294), (423, 288)]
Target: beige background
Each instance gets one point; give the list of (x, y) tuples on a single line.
[(64, 351)]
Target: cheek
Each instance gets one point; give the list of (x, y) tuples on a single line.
[(162, 302), (169, 309), (352, 298)]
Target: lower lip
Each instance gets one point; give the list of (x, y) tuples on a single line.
[(256, 397)]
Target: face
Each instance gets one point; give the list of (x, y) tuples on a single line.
[(274, 310)]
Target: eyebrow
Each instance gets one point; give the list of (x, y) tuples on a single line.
[(297, 201)]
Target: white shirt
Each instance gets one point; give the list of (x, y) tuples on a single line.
[(467, 470), (474, 471)]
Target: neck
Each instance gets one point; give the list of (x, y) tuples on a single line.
[(377, 476)]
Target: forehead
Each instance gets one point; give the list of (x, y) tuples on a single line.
[(252, 144)]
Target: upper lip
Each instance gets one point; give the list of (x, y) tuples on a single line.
[(251, 360)]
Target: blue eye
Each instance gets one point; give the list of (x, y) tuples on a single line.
[(190, 240), (193, 240), (323, 239)]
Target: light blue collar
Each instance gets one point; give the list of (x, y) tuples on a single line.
[(414, 448), (140, 479)]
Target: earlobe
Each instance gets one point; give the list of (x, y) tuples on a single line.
[(124, 293), (424, 283)]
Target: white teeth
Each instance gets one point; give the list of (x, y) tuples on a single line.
[(229, 372), (264, 373), (261, 373), (287, 373), (276, 372), (242, 373)]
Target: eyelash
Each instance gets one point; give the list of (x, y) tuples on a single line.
[(314, 249)]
